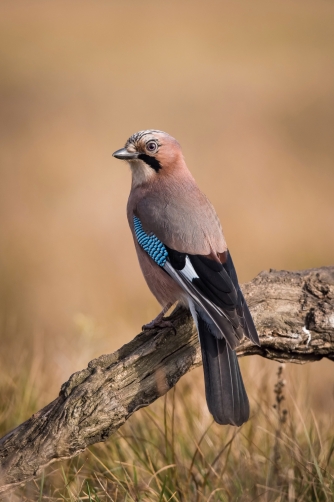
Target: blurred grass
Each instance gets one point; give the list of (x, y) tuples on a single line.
[(173, 451), (247, 88)]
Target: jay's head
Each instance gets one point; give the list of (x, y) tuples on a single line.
[(151, 154)]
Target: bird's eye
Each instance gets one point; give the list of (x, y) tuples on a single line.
[(151, 146)]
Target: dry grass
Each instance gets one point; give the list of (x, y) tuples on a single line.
[(173, 451), (247, 88)]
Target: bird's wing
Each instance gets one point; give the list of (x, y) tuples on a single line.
[(214, 288), (211, 285)]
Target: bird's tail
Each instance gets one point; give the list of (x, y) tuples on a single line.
[(225, 392)]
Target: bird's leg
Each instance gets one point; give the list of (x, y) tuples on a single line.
[(159, 321)]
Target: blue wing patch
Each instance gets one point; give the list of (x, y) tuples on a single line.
[(150, 243)]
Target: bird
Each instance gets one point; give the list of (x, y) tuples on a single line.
[(184, 258)]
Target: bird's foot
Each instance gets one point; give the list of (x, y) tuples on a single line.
[(159, 321)]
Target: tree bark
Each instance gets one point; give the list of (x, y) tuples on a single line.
[(294, 315)]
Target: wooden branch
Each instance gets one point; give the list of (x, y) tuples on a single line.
[(293, 312)]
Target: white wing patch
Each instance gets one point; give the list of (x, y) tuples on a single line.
[(188, 271), (209, 310), (187, 274)]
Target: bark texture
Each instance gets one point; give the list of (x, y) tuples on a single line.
[(294, 315)]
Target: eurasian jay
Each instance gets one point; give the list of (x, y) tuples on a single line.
[(184, 258)]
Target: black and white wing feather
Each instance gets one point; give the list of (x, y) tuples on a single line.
[(214, 287)]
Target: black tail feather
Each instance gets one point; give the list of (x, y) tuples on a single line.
[(225, 392)]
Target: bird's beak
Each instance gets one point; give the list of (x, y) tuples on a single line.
[(123, 154)]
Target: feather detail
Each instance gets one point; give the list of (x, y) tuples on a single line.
[(150, 243), (218, 317)]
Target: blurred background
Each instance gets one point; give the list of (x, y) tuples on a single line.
[(248, 90)]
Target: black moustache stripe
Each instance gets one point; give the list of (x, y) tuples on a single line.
[(150, 161)]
